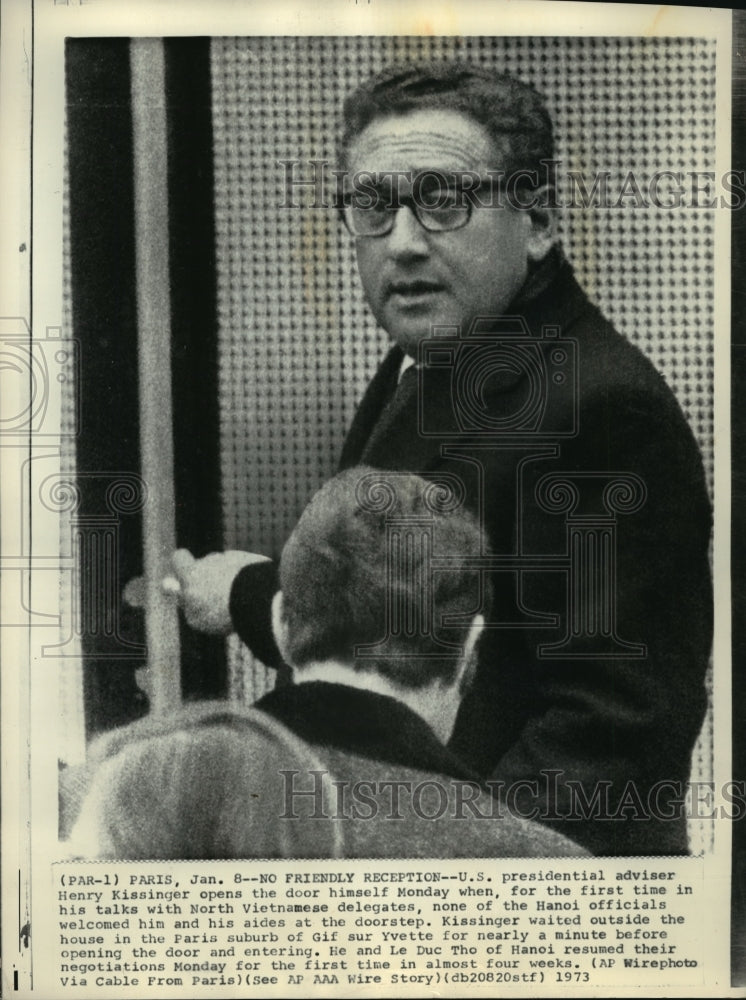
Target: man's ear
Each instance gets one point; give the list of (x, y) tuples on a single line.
[(280, 626), (542, 223), (468, 662), (475, 630)]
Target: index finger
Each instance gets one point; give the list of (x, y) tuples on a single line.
[(181, 562)]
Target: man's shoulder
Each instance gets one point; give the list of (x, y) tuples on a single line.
[(398, 811), (606, 359)]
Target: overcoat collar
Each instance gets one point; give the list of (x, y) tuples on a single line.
[(362, 723)]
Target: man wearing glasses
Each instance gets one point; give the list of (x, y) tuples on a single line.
[(507, 382)]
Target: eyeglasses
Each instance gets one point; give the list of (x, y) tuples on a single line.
[(438, 208)]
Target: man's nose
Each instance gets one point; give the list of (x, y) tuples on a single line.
[(408, 238)]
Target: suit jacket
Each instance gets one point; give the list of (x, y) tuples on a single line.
[(398, 792), (578, 459)]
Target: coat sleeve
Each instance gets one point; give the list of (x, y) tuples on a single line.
[(251, 610), (610, 729)]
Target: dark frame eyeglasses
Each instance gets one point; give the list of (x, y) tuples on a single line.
[(439, 209)]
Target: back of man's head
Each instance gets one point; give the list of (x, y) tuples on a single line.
[(357, 572), (512, 112)]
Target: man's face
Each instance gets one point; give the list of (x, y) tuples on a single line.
[(414, 279)]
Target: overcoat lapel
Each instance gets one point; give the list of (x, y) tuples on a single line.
[(379, 391)]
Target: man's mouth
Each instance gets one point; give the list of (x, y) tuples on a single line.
[(411, 290)]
